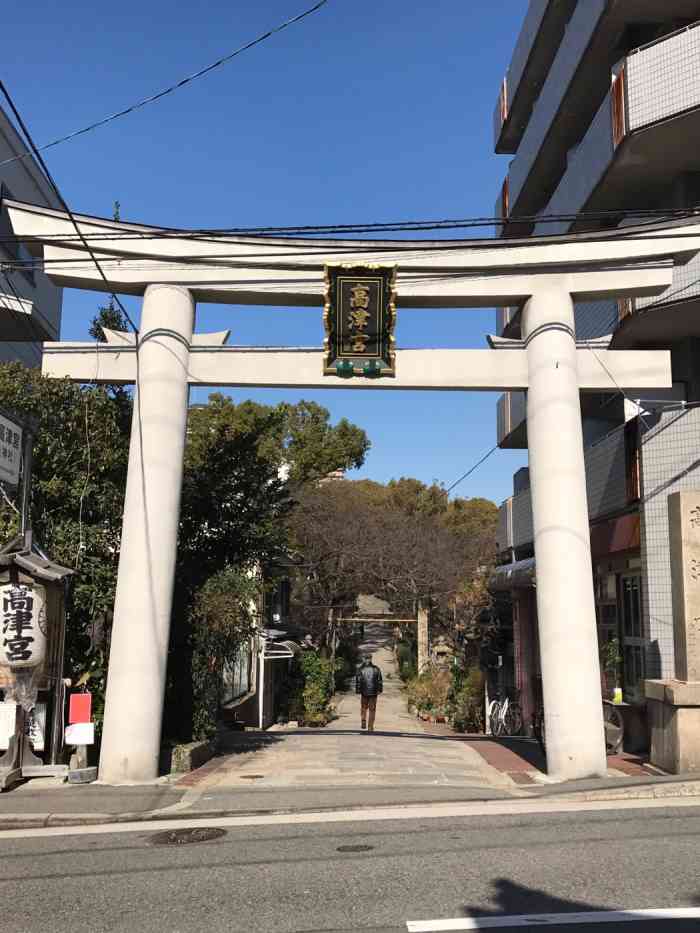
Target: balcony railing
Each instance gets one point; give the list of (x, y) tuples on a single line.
[(612, 483), (579, 31), (504, 528), (511, 413), (535, 48), (650, 86)]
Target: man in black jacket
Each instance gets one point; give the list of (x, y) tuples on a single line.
[(368, 683)]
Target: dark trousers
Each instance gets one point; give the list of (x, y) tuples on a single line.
[(368, 704)]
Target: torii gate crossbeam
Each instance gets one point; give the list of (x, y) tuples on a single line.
[(172, 271)]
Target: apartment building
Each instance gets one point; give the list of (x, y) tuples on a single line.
[(600, 111), (30, 305)]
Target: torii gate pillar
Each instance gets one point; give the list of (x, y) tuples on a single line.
[(565, 599), (141, 629)]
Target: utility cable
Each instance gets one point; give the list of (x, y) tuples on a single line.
[(61, 199), (174, 87), (472, 469)]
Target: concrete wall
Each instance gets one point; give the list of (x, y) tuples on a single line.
[(25, 182), (670, 460), (578, 33), (585, 166), (526, 38)]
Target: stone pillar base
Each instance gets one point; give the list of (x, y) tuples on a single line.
[(674, 718)]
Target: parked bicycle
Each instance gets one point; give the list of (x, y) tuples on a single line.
[(613, 723), (505, 716)]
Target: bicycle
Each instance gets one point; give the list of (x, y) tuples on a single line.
[(505, 716), (613, 723)]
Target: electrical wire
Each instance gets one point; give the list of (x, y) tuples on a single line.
[(472, 469), (61, 199), (390, 226), (173, 87)]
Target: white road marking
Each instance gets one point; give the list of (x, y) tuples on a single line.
[(435, 811), (543, 920)]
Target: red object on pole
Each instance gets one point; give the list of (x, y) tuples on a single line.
[(79, 707)]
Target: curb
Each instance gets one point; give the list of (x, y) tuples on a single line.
[(14, 821)]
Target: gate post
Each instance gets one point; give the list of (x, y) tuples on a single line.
[(141, 628), (565, 599), (422, 639)]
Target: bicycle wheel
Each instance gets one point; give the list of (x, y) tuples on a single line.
[(497, 719), (614, 728), (513, 719), (492, 716)]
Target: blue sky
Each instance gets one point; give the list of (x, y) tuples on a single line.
[(367, 111)]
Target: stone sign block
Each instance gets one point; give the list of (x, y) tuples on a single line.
[(684, 528)]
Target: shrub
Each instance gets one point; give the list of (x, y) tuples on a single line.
[(466, 702), (429, 692)]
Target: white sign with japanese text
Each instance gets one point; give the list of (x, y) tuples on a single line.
[(34, 728), (10, 451), (22, 625)]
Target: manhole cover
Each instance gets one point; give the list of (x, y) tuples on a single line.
[(252, 777), (183, 837), (357, 848)]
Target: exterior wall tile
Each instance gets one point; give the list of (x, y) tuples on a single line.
[(663, 78), (670, 461)]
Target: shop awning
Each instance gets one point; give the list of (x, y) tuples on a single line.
[(520, 574)]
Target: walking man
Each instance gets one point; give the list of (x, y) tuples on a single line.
[(368, 683)]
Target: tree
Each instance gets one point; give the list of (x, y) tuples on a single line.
[(403, 542)]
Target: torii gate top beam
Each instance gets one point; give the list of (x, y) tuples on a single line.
[(289, 271)]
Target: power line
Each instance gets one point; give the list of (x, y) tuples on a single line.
[(471, 469), (407, 226), (174, 87), (61, 199)]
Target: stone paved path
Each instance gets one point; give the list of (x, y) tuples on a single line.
[(399, 751)]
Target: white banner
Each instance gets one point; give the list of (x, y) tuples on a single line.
[(10, 450), (22, 625)]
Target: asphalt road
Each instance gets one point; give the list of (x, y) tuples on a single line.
[(303, 879)]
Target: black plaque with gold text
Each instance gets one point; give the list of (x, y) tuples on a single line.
[(359, 318)]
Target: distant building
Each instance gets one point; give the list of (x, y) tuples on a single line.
[(23, 325), (600, 109)]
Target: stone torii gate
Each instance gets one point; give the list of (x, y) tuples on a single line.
[(173, 270)]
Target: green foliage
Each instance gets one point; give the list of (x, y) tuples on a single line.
[(110, 317), (79, 474), (429, 692), (222, 619), (310, 689), (406, 660), (466, 700)]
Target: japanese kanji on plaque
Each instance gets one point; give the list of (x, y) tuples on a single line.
[(359, 318), (22, 625), (10, 451)]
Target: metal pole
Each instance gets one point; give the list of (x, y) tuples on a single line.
[(27, 457)]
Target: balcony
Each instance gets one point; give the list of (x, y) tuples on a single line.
[(578, 84), (637, 141), (612, 486), (504, 528), (536, 46), (511, 427), (645, 322)]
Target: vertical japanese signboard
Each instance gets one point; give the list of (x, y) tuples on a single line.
[(359, 318), (10, 451), (22, 625)]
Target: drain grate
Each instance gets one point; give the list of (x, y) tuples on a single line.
[(251, 777), (355, 848), (184, 837)]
